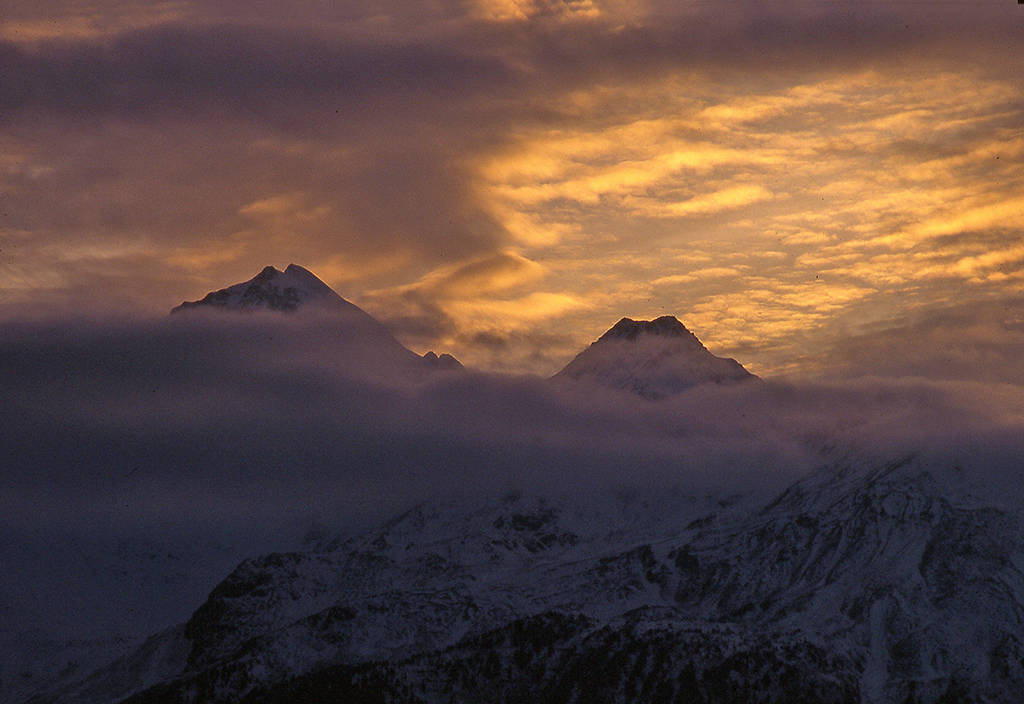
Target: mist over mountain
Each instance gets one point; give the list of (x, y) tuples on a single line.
[(285, 503), (654, 358), (297, 289)]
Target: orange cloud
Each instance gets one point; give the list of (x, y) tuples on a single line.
[(505, 10), (725, 199), (698, 274), (480, 277), (285, 206), (513, 313)]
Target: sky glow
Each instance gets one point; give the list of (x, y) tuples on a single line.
[(504, 179)]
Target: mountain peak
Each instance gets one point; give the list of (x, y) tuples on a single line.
[(269, 290), (629, 329), (301, 273), (444, 361), (297, 289), (654, 358)]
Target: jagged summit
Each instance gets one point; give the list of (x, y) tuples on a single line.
[(269, 290), (665, 326), (444, 361), (654, 358)]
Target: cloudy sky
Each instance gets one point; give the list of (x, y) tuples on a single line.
[(504, 179), (816, 188)]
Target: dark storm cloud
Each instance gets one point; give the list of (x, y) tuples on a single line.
[(756, 37), (211, 404), (260, 70), (178, 70)]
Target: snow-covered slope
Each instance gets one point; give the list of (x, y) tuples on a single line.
[(654, 358), (864, 582)]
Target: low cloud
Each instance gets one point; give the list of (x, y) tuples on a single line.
[(212, 407), (225, 436)]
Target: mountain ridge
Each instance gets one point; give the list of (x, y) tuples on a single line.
[(653, 358), (852, 584)]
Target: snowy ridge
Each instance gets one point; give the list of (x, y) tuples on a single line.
[(869, 584)]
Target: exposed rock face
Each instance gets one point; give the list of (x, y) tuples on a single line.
[(654, 358)]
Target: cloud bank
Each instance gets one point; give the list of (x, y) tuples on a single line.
[(133, 442)]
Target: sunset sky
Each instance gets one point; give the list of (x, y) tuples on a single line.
[(504, 179)]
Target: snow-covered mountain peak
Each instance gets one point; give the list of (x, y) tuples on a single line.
[(327, 321), (654, 358), (269, 290)]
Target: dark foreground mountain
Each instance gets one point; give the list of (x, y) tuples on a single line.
[(875, 583), (654, 358)]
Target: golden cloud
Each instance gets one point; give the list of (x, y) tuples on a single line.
[(698, 274), (479, 277), (506, 10), (843, 192), (513, 313), (289, 206), (725, 199)]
